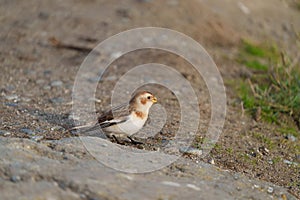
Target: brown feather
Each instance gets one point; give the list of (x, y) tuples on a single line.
[(139, 114), (144, 101)]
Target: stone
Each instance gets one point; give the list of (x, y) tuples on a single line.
[(270, 190), (57, 100), (15, 178), (27, 131), (190, 150), (37, 138), (292, 138), (4, 133), (12, 97), (12, 104), (56, 83)]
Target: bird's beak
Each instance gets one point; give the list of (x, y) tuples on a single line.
[(154, 100)]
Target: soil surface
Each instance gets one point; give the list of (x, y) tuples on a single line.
[(43, 44)]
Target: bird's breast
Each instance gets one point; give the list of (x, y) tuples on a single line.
[(131, 126)]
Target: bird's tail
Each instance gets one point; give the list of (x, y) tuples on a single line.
[(88, 130)]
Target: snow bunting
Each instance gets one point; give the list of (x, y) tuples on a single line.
[(126, 119)]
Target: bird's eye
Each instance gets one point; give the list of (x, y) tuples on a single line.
[(148, 97)]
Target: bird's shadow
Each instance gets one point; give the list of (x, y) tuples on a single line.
[(63, 120)]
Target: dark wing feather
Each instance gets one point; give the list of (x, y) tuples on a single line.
[(113, 114), (111, 117)]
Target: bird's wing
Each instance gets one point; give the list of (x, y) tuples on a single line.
[(114, 116), (110, 117)]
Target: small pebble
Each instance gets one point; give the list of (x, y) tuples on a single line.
[(236, 176), (290, 162), (192, 186), (111, 78), (56, 83), (104, 145), (94, 79), (256, 186), (292, 138), (11, 104), (169, 183), (10, 88), (40, 81), (270, 162), (15, 178), (25, 99), (95, 100), (40, 130), (12, 97), (57, 128), (287, 162), (164, 142), (37, 138), (4, 133), (47, 72), (270, 190), (27, 131), (29, 72), (211, 161), (57, 100), (190, 150), (46, 87), (73, 117)]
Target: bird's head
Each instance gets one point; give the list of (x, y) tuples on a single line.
[(142, 101)]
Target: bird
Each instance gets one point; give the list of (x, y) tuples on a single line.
[(126, 119)]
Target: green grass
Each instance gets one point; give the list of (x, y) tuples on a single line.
[(255, 64), (229, 150), (253, 50), (264, 139), (273, 91), (256, 56), (289, 130), (277, 159)]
